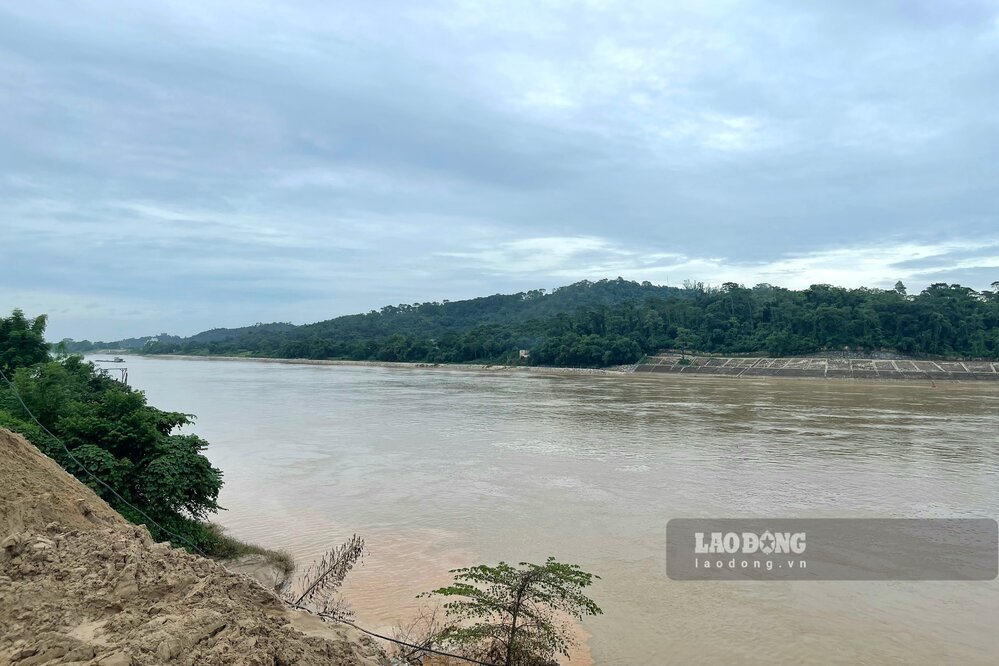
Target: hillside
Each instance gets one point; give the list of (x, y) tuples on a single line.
[(137, 344), (612, 322), (131, 344), (79, 584), (430, 319)]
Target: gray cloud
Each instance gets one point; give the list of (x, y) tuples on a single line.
[(184, 166)]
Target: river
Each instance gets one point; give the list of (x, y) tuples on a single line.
[(439, 468)]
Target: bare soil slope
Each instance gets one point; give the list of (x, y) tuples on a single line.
[(79, 584)]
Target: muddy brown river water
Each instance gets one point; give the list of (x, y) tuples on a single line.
[(439, 468)]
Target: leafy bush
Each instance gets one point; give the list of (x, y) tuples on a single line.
[(22, 341), (113, 432), (515, 616)]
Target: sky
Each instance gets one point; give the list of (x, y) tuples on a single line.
[(178, 166)]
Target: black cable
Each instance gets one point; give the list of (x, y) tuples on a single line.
[(93, 476), (416, 648), (76, 460)]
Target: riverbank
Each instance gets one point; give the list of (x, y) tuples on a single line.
[(440, 469), (617, 370), (80, 584), (833, 367)]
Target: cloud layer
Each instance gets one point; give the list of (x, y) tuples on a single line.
[(185, 165)]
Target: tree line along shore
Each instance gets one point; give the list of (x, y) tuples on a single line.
[(619, 322), (136, 466), (690, 365)]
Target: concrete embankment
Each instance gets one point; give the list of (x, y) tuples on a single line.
[(823, 368)]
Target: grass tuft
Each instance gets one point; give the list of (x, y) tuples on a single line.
[(226, 547)]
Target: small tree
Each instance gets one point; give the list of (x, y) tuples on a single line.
[(685, 339), (22, 341), (516, 616)]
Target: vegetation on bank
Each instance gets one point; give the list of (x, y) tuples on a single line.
[(224, 546), (515, 616), (128, 444), (611, 322)]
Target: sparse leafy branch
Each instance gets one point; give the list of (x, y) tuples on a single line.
[(516, 616)]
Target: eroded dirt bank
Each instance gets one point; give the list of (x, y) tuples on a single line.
[(80, 585)]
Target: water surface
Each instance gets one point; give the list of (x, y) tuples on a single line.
[(444, 468)]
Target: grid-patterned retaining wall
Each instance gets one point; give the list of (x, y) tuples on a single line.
[(821, 368)]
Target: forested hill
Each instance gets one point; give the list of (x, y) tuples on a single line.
[(418, 319), (433, 320), (617, 321), (138, 344)]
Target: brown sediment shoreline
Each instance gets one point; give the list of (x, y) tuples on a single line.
[(407, 364), (864, 370), (79, 584)]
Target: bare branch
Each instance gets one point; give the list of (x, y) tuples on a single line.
[(317, 589)]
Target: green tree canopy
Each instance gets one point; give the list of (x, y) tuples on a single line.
[(616, 322), (22, 341), (110, 429), (516, 616)]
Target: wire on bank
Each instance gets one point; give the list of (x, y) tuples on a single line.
[(17, 394), (27, 410)]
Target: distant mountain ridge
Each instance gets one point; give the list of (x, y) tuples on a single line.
[(428, 319), (615, 322), (138, 344)]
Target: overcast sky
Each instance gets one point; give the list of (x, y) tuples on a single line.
[(178, 166)]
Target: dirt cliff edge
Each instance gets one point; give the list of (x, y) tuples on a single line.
[(80, 585)]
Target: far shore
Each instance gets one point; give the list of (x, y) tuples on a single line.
[(617, 371), (625, 370)]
